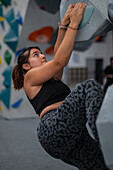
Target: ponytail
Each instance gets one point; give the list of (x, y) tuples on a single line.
[(17, 77), (18, 72)]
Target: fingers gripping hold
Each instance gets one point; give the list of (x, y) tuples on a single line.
[(74, 13)]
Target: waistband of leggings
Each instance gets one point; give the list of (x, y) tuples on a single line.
[(48, 112)]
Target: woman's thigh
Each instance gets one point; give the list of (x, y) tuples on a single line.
[(58, 133)]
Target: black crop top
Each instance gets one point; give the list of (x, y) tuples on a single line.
[(52, 91)]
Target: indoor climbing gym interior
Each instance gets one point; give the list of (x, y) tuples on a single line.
[(47, 27)]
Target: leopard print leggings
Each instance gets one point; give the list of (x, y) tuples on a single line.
[(63, 134)]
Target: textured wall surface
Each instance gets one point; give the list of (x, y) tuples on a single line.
[(105, 127)]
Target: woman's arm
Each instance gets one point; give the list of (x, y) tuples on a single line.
[(67, 44), (60, 37), (61, 32), (39, 75)]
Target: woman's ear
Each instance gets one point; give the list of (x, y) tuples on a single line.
[(26, 66)]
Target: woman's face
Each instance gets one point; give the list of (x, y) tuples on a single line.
[(36, 58)]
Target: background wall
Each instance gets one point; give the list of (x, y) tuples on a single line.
[(95, 59), (23, 110), (97, 50)]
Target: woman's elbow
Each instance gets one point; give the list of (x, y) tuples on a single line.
[(61, 64)]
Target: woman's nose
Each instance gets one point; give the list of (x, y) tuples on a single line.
[(43, 56)]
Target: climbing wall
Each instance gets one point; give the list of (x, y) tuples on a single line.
[(12, 104), (94, 23)]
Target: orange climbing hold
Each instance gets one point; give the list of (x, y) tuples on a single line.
[(50, 50), (43, 35)]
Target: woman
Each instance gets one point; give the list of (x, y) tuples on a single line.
[(62, 131)]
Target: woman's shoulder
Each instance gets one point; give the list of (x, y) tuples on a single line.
[(32, 91)]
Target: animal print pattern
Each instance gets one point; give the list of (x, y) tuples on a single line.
[(63, 134)]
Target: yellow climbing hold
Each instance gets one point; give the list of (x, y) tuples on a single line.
[(0, 60), (1, 19), (0, 108), (2, 37)]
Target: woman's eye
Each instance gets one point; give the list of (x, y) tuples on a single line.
[(36, 55)]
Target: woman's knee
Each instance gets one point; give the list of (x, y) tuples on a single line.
[(92, 84), (89, 84)]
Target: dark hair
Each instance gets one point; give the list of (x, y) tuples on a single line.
[(18, 72), (111, 59)]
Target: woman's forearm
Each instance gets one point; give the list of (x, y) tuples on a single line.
[(62, 31), (64, 51), (61, 34)]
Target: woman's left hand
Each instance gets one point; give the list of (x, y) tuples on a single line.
[(66, 18)]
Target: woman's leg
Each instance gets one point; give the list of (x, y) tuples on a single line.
[(60, 131), (94, 97), (86, 155)]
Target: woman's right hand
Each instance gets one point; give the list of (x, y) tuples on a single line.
[(66, 18), (76, 14)]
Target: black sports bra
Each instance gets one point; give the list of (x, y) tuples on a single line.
[(52, 91)]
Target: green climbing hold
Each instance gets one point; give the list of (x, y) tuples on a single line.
[(7, 57), (87, 15)]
